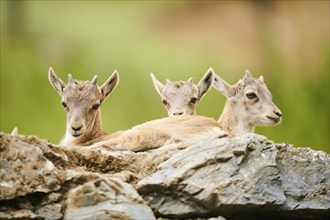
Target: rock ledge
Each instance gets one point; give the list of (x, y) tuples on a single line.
[(246, 177)]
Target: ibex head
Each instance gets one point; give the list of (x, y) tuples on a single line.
[(250, 101), (182, 97), (81, 101)]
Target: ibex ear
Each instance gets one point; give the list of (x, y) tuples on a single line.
[(261, 78), (222, 86), (158, 85), (55, 81), (205, 83), (109, 85)]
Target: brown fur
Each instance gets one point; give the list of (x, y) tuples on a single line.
[(183, 129)]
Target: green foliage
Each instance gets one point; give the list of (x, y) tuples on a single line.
[(86, 38)]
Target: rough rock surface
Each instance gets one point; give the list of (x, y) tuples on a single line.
[(240, 177), (247, 177), (106, 199), (221, 177), (25, 169)]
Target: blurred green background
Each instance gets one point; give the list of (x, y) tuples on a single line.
[(286, 41)]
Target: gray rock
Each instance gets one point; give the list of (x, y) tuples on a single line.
[(106, 199), (51, 211), (19, 214), (24, 168), (217, 218), (240, 178), (305, 178), (235, 178)]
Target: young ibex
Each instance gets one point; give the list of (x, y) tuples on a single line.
[(81, 101), (184, 129), (249, 104), (182, 97)]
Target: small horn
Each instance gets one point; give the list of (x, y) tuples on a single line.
[(70, 80), (261, 78), (190, 80), (94, 80), (247, 74), (168, 81)]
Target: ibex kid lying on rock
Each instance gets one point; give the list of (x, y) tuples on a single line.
[(249, 104), (182, 97), (81, 101)]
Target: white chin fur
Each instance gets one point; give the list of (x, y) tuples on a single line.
[(68, 139)]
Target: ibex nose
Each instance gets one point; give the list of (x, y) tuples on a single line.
[(278, 113), (76, 129), (178, 113)]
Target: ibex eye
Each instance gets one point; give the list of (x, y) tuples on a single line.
[(251, 95), (164, 102), (194, 100), (64, 105), (96, 106)]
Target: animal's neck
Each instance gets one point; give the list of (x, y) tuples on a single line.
[(232, 122), (94, 130)]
